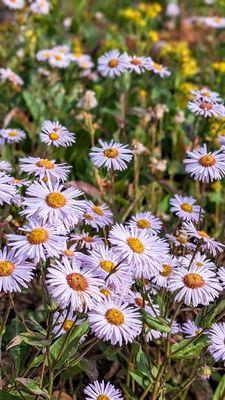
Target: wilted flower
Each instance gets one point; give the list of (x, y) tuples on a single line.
[(88, 101)]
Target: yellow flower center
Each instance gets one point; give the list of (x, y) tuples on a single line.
[(198, 331), (166, 270), (58, 57), (13, 133), (88, 239), (88, 217), (113, 63), (44, 163), (186, 207), (46, 54), (111, 152), (114, 316), (106, 292), (77, 282), (98, 210), (108, 266), (157, 66), (56, 200), (193, 281), (207, 161), (203, 234), (67, 325), (136, 61), (136, 245), (102, 397), (16, 180), (139, 302), (37, 236), (143, 223), (217, 19), (54, 136), (206, 106), (68, 252), (6, 268)]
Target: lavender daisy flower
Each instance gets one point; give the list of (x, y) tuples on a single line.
[(108, 265), (221, 276), (44, 168), (199, 260), (215, 22), (6, 74), (64, 321), (59, 60), (115, 321), (147, 221), (102, 391), (87, 241), (53, 203), (137, 64), (98, 216), (71, 253), (41, 7), (5, 166), (112, 64), (14, 273), (197, 285), (72, 286), (190, 329), (14, 4), (44, 55), (217, 339), (158, 69), (38, 242), (12, 135), (221, 140), (181, 240), (53, 133), (138, 249), (208, 243), (205, 166), (184, 207), (206, 95), (168, 265), (111, 155), (206, 108), (7, 190)]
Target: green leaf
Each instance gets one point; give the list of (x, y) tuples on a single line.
[(8, 396), (140, 379), (158, 324), (189, 349), (32, 387), (213, 311), (141, 359), (29, 338), (220, 390), (66, 345)]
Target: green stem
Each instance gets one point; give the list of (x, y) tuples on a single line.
[(2, 329)]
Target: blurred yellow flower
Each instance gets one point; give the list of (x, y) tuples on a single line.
[(181, 53), (143, 93), (131, 14), (153, 36), (186, 87), (219, 67)]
